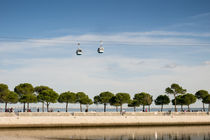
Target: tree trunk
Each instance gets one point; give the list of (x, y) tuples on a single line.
[(209, 108), (5, 106), (175, 102), (134, 109), (104, 107), (66, 106), (149, 108), (162, 108), (42, 106), (121, 108), (87, 105), (182, 108), (116, 108), (203, 107), (47, 107), (188, 108), (143, 108), (80, 107), (27, 107), (24, 107)]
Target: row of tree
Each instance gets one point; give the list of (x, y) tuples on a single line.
[(25, 93)]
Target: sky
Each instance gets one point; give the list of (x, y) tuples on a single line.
[(149, 45)]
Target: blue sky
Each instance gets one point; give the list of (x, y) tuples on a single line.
[(149, 44)]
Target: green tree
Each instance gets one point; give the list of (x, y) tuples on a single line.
[(38, 90), (48, 96), (179, 101), (104, 98), (81, 98), (10, 97), (189, 99), (28, 98), (122, 98), (134, 104), (4, 90), (162, 100), (206, 100), (114, 101), (23, 90), (201, 94), (88, 102), (175, 89), (144, 99), (67, 97), (96, 100)]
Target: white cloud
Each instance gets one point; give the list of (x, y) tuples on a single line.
[(153, 38), (117, 74)]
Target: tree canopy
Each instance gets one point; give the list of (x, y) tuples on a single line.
[(201, 94), (175, 89), (143, 99), (134, 104), (206, 100), (189, 99), (25, 92), (67, 97), (122, 98), (162, 100), (48, 96), (4, 90), (104, 98)]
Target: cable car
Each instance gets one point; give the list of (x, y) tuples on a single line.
[(78, 51), (101, 49)]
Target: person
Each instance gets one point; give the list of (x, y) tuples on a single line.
[(37, 109)]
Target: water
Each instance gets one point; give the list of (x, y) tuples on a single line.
[(108, 109), (109, 133)]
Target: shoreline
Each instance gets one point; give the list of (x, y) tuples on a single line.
[(101, 119)]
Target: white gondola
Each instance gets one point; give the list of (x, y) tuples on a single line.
[(101, 49), (78, 51)]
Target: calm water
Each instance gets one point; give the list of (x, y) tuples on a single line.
[(108, 109), (118, 133)]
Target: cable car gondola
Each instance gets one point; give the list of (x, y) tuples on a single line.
[(78, 51), (101, 49)]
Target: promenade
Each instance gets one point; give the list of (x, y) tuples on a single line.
[(96, 119)]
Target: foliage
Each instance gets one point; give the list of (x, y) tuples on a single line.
[(206, 100), (201, 94), (3, 91), (162, 100), (143, 98), (23, 89), (114, 101), (104, 98), (189, 99), (28, 98), (122, 98), (11, 97), (134, 104), (67, 97), (48, 96), (96, 100), (179, 100), (175, 89)]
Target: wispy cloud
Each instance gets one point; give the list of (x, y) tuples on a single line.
[(92, 76), (153, 38)]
